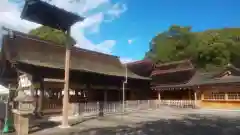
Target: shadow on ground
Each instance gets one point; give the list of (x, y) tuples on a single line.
[(42, 125), (189, 125)]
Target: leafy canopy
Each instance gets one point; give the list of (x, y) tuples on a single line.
[(54, 35), (209, 50)]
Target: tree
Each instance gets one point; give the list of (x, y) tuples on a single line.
[(209, 50), (172, 45), (54, 35)]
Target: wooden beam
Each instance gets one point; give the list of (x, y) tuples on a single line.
[(53, 80), (9, 80)]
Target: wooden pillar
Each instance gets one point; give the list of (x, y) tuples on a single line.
[(189, 94), (66, 85), (226, 96), (159, 95), (202, 95), (195, 97), (105, 96), (41, 97)]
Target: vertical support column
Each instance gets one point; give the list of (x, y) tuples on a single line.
[(76, 104), (123, 97), (189, 94), (226, 96), (105, 96), (66, 84), (41, 97), (159, 96), (195, 97), (202, 95)]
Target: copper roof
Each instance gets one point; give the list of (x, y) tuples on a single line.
[(145, 61), (142, 68), (199, 79), (172, 67), (172, 63), (32, 50)]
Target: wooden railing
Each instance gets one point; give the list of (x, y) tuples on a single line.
[(115, 107), (179, 103), (93, 108)]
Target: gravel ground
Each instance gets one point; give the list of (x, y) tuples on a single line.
[(165, 121)]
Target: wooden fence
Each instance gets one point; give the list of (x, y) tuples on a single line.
[(115, 107)]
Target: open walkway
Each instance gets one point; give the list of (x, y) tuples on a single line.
[(166, 121)]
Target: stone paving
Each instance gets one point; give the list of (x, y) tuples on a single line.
[(166, 121)]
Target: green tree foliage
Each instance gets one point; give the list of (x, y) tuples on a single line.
[(54, 35), (209, 50)]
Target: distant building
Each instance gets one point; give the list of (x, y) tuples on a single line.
[(181, 81)]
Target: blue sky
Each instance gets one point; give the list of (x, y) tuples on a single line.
[(125, 27), (144, 19)]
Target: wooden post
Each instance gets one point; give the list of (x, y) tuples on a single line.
[(195, 95), (41, 97), (202, 95), (159, 95), (189, 94), (66, 84), (226, 96), (123, 98), (105, 97), (195, 98)]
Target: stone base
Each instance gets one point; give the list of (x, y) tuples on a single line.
[(64, 127), (21, 124)]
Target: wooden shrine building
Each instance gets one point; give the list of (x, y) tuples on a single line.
[(176, 81), (181, 81), (93, 75)]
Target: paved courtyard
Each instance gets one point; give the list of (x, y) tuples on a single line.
[(156, 122)]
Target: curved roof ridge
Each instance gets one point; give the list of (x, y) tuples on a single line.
[(172, 63), (140, 61)]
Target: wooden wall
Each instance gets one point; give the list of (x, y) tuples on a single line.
[(177, 95), (219, 103)]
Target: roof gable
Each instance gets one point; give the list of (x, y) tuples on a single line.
[(172, 67), (142, 67), (230, 70)]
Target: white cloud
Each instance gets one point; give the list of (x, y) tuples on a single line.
[(82, 42), (92, 23), (10, 17), (4, 5), (126, 60), (79, 6), (104, 47), (130, 41), (116, 10)]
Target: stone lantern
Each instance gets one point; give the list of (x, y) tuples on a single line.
[(25, 103), (22, 113)]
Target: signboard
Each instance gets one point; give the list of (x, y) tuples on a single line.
[(25, 81)]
